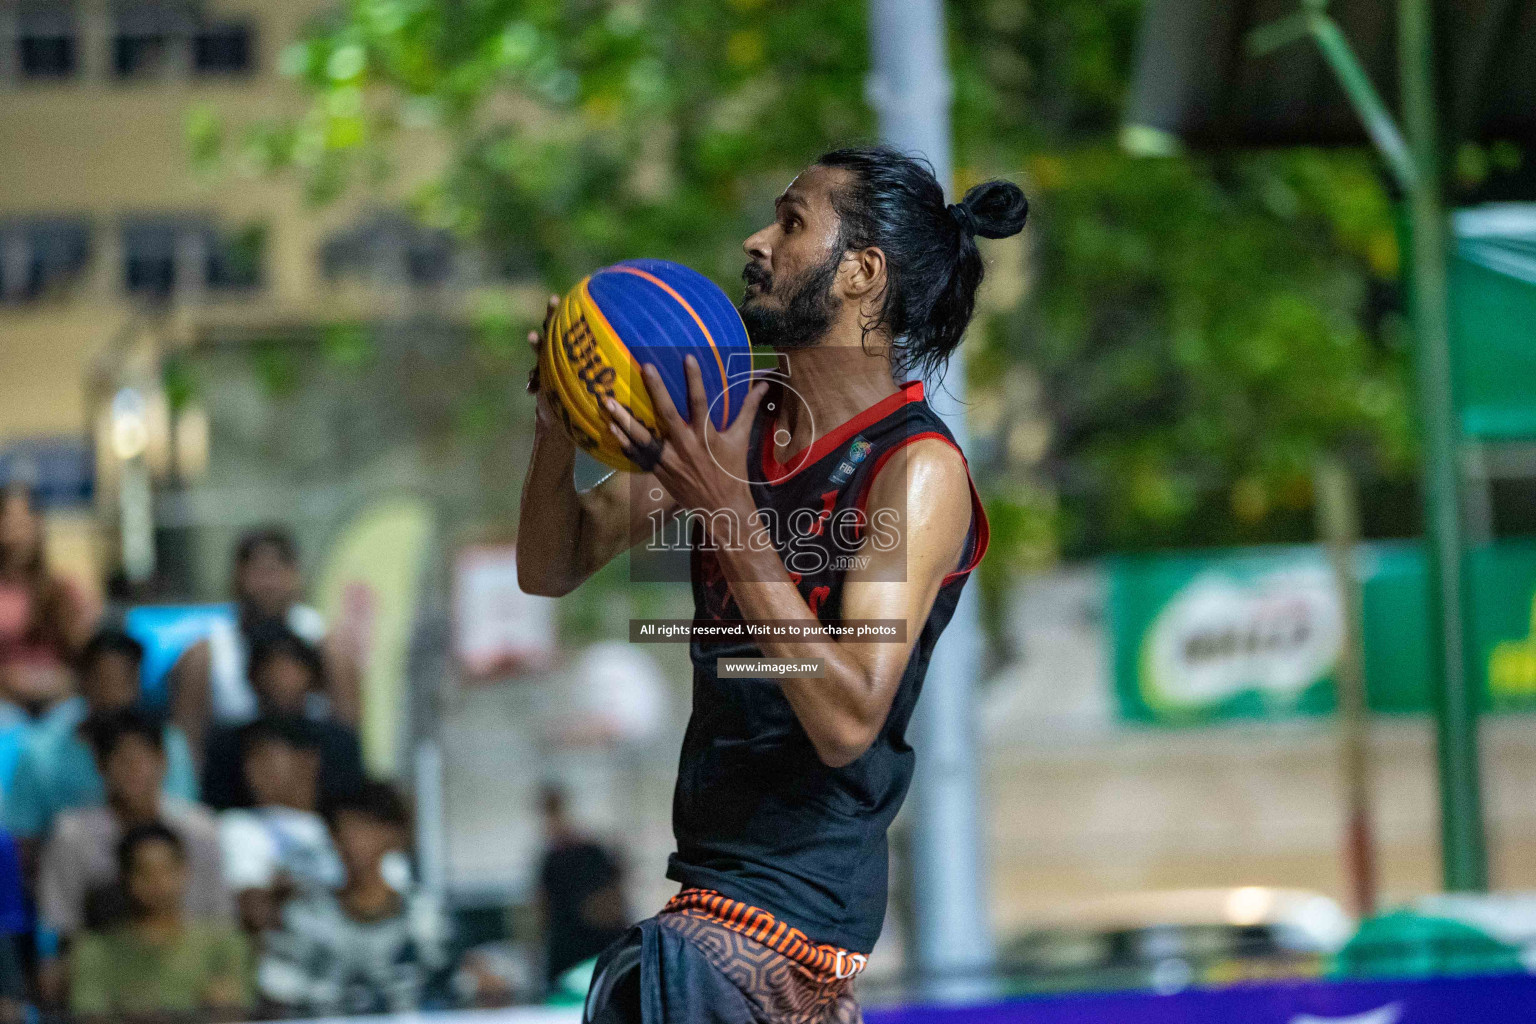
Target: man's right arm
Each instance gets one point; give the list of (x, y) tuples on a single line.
[(566, 535)]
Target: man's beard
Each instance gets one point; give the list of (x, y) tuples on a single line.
[(807, 311)]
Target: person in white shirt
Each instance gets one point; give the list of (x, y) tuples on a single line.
[(367, 946), (210, 684), (281, 846)]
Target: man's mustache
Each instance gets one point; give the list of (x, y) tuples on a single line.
[(753, 273)]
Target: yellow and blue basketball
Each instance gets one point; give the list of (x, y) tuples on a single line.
[(632, 313)]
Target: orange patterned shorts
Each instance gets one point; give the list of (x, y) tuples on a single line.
[(784, 975)]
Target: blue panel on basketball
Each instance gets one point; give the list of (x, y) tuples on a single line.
[(718, 314), (664, 311)]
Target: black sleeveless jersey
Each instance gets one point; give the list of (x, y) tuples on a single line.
[(757, 816)]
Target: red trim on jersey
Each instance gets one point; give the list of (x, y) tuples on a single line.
[(777, 472), (978, 514)]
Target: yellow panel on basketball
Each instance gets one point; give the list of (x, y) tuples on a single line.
[(589, 363), (585, 431)]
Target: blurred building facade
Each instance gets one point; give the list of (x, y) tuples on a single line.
[(190, 351), (118, 253)]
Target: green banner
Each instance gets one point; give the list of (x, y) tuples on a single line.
[(1256, 633)]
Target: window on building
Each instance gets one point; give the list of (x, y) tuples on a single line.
[(234, 258), (151, 39), (222, 49), (391, 248), (149, 259), (46, 44), (161, 257), (41, 258), (140, 55)]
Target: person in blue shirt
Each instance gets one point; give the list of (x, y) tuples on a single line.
[(57, 771)]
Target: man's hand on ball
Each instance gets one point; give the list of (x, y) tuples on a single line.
[(545, 409), (701, 467)]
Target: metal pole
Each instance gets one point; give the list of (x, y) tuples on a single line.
[(1339, 519), (1314, 21), (1463, 844), (910, 91)]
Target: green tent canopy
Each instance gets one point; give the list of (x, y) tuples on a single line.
[(1493, 320), (1195, 82)]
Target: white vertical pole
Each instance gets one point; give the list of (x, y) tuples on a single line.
[(911, 92), (431, 818)]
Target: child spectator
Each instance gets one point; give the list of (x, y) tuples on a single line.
[(211, 683), (364, 948), (159, 962), (79, 861), (281, 845), (57, 770), (285, 671)]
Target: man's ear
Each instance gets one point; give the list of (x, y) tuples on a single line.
[(863, 273)]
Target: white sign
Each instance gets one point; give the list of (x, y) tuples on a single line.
[(1276, 633), (497, 629)]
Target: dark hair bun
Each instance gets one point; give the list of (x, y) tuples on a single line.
[(997, 208)]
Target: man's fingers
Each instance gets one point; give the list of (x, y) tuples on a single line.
[(626, 428), (549, 312), (666, 413), (698, 402)]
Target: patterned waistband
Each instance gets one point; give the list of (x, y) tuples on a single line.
[(761, 926)]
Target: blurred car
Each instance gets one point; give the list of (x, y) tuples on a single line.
[(1166, 941), (1446, 934)]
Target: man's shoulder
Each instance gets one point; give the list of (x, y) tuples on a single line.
[(60, 727), (194, 821), (239, 822), (213, 935), (307, 622), (920, 463), (317, 915), (83, 822)]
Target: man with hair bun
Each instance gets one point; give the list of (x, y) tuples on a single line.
[(837, 494)]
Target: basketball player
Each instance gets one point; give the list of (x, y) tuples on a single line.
[(786, 786)]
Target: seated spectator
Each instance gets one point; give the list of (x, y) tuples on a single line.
[(364, 948), (281, 845), (211, 681), (285, 671), (57, 770), (44, 619), (159, 962), (581, 892), (79, 864)]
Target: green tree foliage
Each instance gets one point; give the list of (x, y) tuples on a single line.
[(1198, 329), (1195, 331)]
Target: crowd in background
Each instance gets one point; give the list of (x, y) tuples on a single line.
[(225, 856)]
